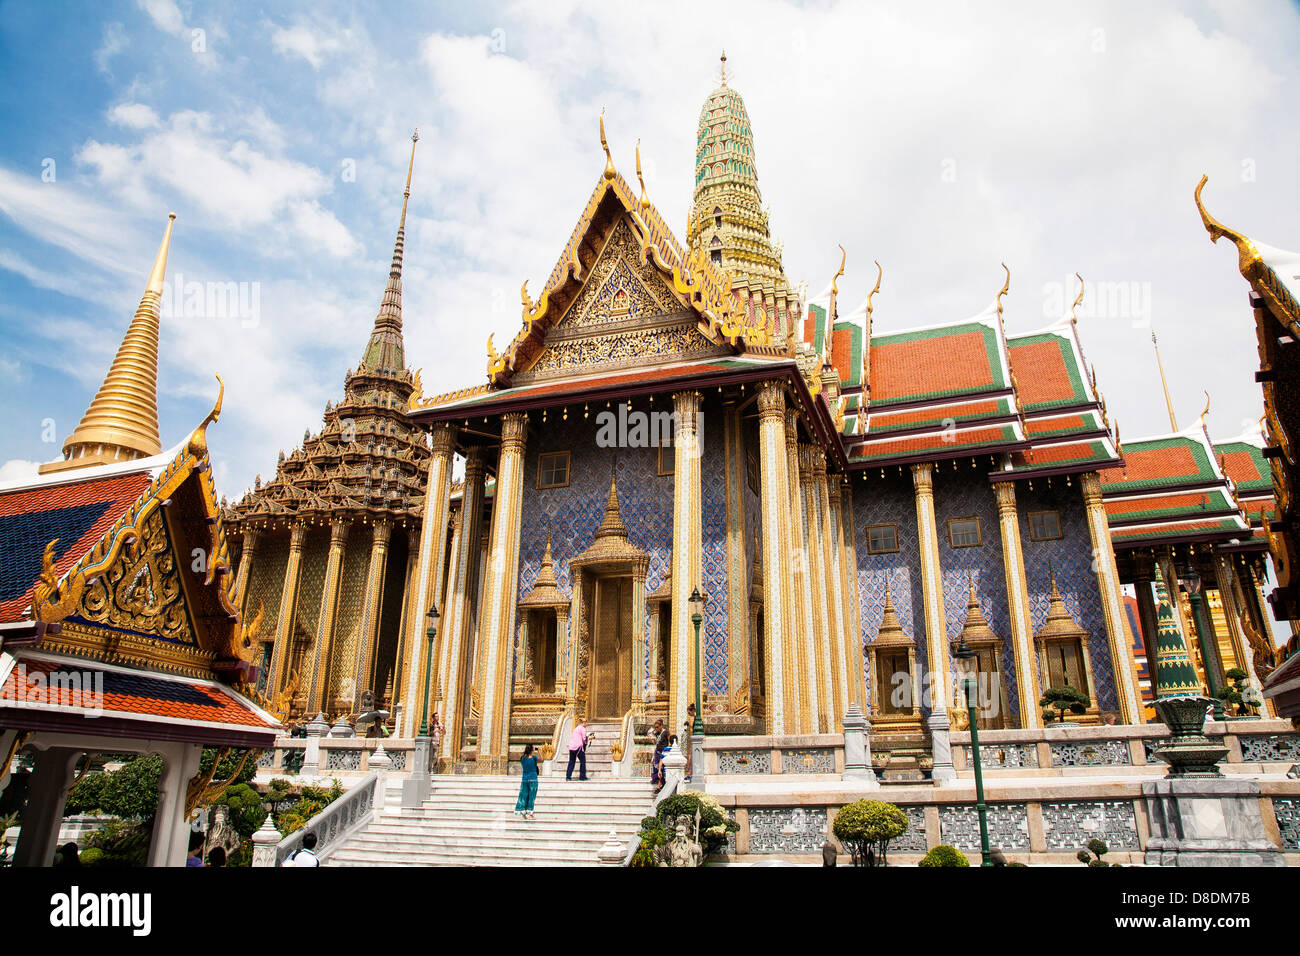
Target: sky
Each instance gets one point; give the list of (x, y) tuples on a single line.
[(940, 141)]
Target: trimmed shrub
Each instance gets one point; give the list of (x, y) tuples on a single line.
[(246, 810), (715, 823), (944, 855), (865, 828)]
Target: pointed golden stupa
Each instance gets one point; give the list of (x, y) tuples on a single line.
[(122, 422)]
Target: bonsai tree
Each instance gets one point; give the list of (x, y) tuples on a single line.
[(1097, 847), (945, 856), (865, 828), (1234, 693), (1063, 698)]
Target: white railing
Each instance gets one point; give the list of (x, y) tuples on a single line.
[(338, 821)]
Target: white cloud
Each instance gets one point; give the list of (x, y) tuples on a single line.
[(166, 16), (15, 469), (114, 42), (315, 44), (134, 116)]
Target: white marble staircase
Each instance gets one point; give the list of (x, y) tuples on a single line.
[(600, 760), (470, 821)]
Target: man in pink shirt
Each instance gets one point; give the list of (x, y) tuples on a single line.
[(578, 750)]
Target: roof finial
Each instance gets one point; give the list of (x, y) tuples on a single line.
[(1207, 409), (1246, 251), (835, 280), (1006, 287), (880, 274), (1077, 299), (724, 67), (610, 172), (122, 420), (1169, 402), (645, 202)]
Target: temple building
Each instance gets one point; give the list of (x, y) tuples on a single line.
[(119, 629), (848, 501), (326, 555), (1274, 278)]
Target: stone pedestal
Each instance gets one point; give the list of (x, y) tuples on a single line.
[(316, 729), (674, 770), (857, 750), (415, 789), (697, 762), (1207, 821), (612, 853), (265, 841), (941, 747)]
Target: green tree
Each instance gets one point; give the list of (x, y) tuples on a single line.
[(715, 823), (944, 855), (129, 793), (865, 829), (1063, 698), (246, 810)]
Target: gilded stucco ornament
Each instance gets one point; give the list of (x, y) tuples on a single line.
[(496, 361)]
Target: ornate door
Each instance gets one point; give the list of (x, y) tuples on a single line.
[(612, 648)]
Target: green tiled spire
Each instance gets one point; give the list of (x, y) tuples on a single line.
[(1175, 674)]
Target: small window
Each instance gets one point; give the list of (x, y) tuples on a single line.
[(667, 458), (716, 255), (964, 532), (553, 469), (882, 538), (1044, 525)]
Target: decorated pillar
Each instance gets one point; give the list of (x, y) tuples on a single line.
[(1147, 616), (500, 600), (433, 545), (251, 538), (825, 719), (687, 548), (443, 644), (1103, 559), (829, 514), (852, 609), (778, 616), (462, 596), (639, 659), (936, 622), (738, 643), (1028, 692), (288, 607), (371, 600), (800, 666), (329, 602)]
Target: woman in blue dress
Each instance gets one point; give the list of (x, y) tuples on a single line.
[(528, 787)]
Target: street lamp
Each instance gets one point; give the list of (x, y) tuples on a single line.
[(697, 615), (969, 685), (430, 629)]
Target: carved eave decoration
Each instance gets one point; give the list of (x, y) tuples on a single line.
[(610, 546), (154, 542), (891, 633), (976, 633), (545, 591), (1059, 626)]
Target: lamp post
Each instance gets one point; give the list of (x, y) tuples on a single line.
[(970, 688), (430, 629), (697, 615)]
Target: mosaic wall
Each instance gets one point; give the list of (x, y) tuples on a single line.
[(913, 838), (1008, 825), (1071, 558), (1070, 825), (787, 830), (266, 581), (311, 583), (1287, 810), (347, 619), (572, 514)]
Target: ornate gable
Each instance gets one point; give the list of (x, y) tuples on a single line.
[(625, 314)]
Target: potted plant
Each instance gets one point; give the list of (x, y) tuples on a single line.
[(1062, 699)]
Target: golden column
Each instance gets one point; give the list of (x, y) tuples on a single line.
[(936, 622), (738, 643), (501, 597), (1022, 629), (433, 546), (371, 602), (288, 607), (822, 719), (687, 547), (800, 665), (778, 613), (442, 643), (834, 579), (1103, 560), (329, 602), (852, 609), (246, 555), (462, 594)]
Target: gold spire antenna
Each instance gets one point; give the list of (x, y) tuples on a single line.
[(724, 67), (645, 202), (835, 289), (1207, 409), (121, 423), (406, 193), (610, 172), (880, 274), (1077, 300), (1006, 287), (1169, 403)]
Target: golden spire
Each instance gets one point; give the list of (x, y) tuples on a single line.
[(1169, 402), (1077, 299), (724, 67), (645, 202), (1006, 287), (121, 424), (385, 350), (610, 172), (611, 526), (1205, 413)]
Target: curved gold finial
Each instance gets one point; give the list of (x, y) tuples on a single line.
[(198, 445), (496, 361), (1006, 287), (1246, 251), (1207, 408), (835, 289), (610, 172), (880, 274), (645, 203), (1077, 299)]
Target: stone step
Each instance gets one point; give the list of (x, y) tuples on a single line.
[(542, 826), (493, 846), (476, 854), (498, 818)]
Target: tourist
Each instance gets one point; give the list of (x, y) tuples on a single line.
[(305, 855), (578, 742), (687, 729), (67, 856), (528, 786), (436, 731), (660, 734), (217, 857), (195, 857)]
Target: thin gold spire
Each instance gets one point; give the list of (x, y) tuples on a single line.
[(610, 171), (1169, 402), (385, 351), (724, 67), (121, 423)]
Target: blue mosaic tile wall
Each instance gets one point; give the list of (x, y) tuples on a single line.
[(572, 514), (1071, 557)]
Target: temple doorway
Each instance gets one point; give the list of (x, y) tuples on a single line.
[(611, 617)]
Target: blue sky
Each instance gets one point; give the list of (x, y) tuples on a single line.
[(941, 143)]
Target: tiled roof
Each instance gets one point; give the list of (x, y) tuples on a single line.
[(78, 513), (1224, 527), (1063, 455), (1213, 501), (935, 363), (1245, 464), (942, 444), (887, 421), (1047, 372), (128, 693), (1161, 462)]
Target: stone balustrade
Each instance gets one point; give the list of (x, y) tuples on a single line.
[(339, 756)]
